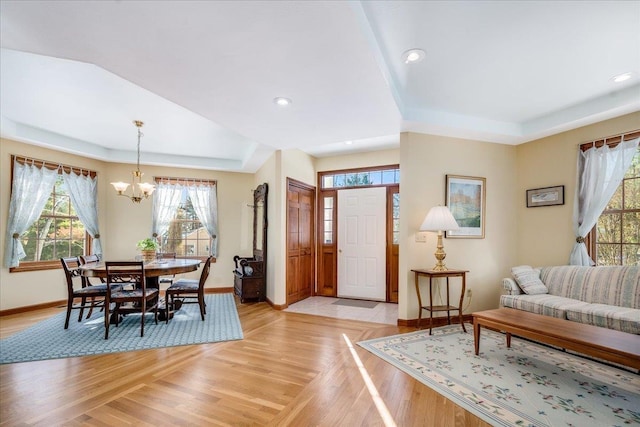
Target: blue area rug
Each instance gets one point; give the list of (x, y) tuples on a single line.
[(49, 340), (525, 385)]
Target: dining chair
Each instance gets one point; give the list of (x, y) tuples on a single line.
[(86, 281), (86, 259), (77, 287), (166, 255), (187, 290), (133, 296)]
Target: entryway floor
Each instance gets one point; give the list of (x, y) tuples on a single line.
[(326, 306)]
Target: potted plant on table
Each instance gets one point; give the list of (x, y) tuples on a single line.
[(148, 248)]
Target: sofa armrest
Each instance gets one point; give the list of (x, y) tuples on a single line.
[(511, 286)]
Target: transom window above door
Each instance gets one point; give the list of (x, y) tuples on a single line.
[(361, 178)]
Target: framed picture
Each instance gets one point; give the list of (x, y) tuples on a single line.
[(465, 197), (547, 196)]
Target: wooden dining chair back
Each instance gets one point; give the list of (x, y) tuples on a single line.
[(90, 296), (166, 255), (133, 296), (87, 259), (188, 291)]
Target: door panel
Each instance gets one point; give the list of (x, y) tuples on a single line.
[(362, 243), (300, 241)]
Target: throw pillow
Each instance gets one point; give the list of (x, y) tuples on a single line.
[(529, 280)]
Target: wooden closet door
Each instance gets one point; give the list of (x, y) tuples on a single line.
[(300, 241)]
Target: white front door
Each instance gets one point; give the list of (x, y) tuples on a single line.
[(361, 243)]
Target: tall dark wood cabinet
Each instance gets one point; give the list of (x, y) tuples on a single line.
[(250, 274)]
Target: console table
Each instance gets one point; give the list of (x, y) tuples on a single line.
[(432, 274)]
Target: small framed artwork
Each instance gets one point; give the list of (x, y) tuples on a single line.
[(465, 197), (547, 196)]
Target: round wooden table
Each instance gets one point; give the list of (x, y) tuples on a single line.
[(152, 272)]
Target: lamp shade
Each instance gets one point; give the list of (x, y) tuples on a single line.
[(120, 186), (439, 218)]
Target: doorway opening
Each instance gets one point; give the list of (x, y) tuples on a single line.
[(351, 204)]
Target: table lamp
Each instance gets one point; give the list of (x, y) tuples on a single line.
[(439, 219)]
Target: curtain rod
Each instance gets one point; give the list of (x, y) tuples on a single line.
[(184, 180), (611, 141), (52, 165)]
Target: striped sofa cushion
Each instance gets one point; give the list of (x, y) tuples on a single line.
[(617, 286), (607, 316), (548, 305)]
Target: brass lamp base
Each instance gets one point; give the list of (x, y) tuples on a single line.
[(440, 255)]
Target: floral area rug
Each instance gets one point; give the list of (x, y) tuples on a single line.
[(525, 385)]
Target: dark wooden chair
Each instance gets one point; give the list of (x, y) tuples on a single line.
[(133, 296), (166, 255), (79, 288), (89, 258), (186, 290)]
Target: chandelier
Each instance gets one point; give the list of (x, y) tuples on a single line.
[(139, 190)]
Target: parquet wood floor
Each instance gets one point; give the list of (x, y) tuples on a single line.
[(289, 370)]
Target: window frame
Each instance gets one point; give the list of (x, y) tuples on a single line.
[(186, 182), (323, 174), (49, 264), (591, 239)]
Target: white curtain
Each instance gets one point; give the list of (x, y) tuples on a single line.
[(204, 199), (31, 188), (83, 193), (166, 199), (600, 171)]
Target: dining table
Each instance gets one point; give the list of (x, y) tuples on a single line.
[(152, 272), (152, 269)]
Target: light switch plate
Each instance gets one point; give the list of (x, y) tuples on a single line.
[(421, 237)]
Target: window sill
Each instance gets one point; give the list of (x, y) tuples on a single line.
[(36, 266)]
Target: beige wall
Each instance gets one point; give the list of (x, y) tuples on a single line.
[(424, 162), (123, 223), (359, 160), (29, 288), (300, 166), (131, 222), (545, 235), (514, 234)]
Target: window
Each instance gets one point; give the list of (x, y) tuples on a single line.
[(184, 231), (57, 232), (384, 176), (395, 213), (328, 219), (186, 236), (617, 233)]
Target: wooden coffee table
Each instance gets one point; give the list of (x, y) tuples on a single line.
[(603, 343)]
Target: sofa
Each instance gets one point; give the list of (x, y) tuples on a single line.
[(601, 296)]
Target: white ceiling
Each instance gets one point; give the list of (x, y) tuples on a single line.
[(202, 75)]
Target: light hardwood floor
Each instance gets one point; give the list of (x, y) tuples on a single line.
[(290, 369)]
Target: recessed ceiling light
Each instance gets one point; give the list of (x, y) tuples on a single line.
[(621, 78), (413, 55), (348, 142), (282, 102)]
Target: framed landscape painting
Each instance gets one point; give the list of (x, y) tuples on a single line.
[(465, 197)]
